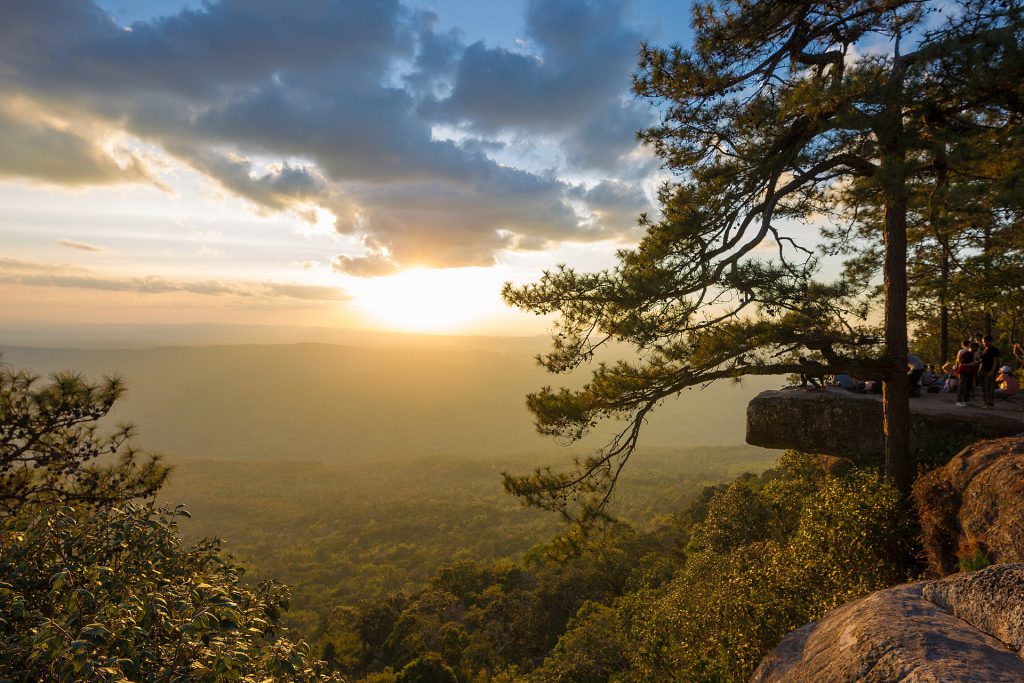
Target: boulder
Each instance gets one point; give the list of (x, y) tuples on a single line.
[(991, 600), (973, 507), (898, 634), (842, 423)]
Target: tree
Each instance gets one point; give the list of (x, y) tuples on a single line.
[(773, 111), (110, 594), (51, 449)]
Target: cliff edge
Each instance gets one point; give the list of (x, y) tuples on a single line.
[(838, 422)]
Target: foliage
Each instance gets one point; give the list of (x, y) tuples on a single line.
[(702, 596), (340, 533), (772, 113), (811, 541), (51, 449), (110, 594)]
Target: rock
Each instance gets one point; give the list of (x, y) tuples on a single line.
[(890, 636), (838, 422), (990, 600), (974, 504)]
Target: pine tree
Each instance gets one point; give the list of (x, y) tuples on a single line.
[(773, 112)]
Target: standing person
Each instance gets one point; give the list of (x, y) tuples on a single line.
[(965, 369), (976, 339), (987, 367), (915, 368)]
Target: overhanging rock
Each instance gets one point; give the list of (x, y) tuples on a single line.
[(838, 422)]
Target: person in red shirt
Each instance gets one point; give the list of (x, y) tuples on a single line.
[(966, 369)]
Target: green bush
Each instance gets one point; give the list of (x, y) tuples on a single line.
[(110, 594), (770, 556)]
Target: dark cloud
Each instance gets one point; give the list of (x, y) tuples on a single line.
[(573, 87), (615, 207), (334, 104)]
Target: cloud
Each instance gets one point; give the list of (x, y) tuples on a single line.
[(42, 148), (37, 274), (374, 264), (615, 207), (82, 246), (334, 105), (573, 86)]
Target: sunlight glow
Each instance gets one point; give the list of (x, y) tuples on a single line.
[(423, 300)]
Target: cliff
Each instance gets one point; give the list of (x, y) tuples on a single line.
[(838, 422)]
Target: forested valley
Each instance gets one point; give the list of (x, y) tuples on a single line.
[(842, 197)]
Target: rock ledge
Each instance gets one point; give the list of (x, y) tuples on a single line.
[(838, 422)]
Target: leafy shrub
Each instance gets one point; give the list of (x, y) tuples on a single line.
[(770, 556), (111, 595)]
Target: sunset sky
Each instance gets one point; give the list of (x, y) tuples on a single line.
[(368, 164)]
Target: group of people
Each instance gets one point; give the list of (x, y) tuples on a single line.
[(977, 365)]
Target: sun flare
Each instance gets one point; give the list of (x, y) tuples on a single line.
[(423, 300)]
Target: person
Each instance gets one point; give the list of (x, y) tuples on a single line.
[(915, 368), (987, 368), (849, 382), (809, 366), (948, 380), (1007, 382), (976, 339), (928, 377), (966, 369)]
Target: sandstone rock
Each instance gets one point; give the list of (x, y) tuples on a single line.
[(974, 503), (890, 636), (838, 422), (990, 600)]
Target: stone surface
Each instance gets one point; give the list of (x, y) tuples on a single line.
[(838, 422), (990, 600), (890, 636), (974, 504)]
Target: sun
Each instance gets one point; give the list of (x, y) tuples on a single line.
[(425, 300)]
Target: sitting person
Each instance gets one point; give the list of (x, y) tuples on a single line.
[(849, 382), (928, 377), (948, 382), (1007, 384)]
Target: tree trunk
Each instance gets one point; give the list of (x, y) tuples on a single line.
[(944, 308), (899, 468), (987, 264)]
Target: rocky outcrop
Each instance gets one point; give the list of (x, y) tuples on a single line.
[(974, 506), (960, 629), (991, 600), (838, 422)]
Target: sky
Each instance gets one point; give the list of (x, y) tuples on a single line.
[(370, 164)]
